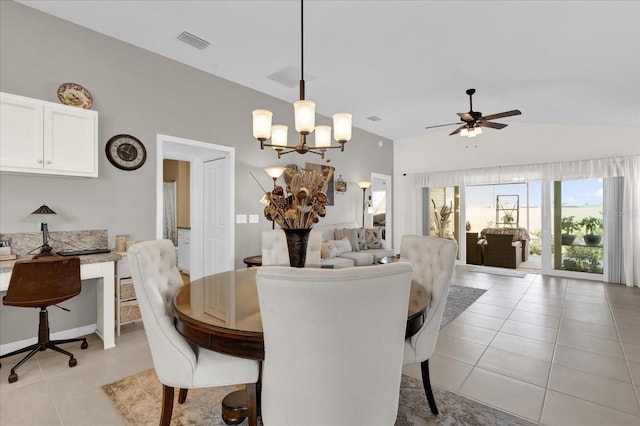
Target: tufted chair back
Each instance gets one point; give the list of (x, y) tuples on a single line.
[(155, 279), (433, 261), (333, 341), (179, 364), (275, 251)]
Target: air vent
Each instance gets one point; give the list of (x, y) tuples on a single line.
[(289, 76), (374, 118), (192, 40)]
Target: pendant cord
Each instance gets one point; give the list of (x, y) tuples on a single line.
[(301, 50)]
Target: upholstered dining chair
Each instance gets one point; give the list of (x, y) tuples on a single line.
[(39, 283), (178, 363), (333, 341), (433, 261), (275, 251)]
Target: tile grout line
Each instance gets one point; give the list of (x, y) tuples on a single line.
[(624, 352)]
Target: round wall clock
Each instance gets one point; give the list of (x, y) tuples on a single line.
[(126, 152)]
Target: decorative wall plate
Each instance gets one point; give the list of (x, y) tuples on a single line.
[(75, 95)]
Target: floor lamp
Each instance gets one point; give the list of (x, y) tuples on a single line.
[(275, 173), (365, 184)]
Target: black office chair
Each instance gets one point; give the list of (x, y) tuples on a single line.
[(39, 283)]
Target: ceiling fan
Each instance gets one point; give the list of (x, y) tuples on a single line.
[(474, 120)]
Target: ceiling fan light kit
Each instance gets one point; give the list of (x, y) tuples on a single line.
[(305, 117), (474, 121)]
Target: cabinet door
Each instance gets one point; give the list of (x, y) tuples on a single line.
[(70, 141), (21, 130)]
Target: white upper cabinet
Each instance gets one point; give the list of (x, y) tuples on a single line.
[(47, 138)]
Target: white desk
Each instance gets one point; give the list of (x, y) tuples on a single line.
[(104, 271)]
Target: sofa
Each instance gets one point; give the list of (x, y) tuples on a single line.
[(365, 246)]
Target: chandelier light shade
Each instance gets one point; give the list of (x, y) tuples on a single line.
[(342, 127), (279, 136), (305, 121), (305, 115), (262, 124)]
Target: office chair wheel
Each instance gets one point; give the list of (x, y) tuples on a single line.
[(13, 377), (73, 362), (84, 345)]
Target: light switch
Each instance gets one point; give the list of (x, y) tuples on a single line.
[(241, 218), (254, 218)]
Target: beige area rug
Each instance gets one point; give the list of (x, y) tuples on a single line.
[(137, 400)]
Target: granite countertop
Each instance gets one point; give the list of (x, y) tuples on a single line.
[(7, 265)]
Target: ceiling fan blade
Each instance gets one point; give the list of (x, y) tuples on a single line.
[(502, 115), (492, 125), (466, 116), (456, 131), (441, 125)]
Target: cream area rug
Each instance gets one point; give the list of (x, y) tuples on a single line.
[(137, 400)]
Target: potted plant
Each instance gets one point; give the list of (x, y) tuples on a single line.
[(590, 225), (508, 219), (441, 224), (568, 225)]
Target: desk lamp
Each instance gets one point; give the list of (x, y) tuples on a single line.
[(44, 209)]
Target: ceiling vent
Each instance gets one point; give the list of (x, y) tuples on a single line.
[(289, 76), (192, 40), (374, 118)]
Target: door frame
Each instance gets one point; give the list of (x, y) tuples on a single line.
[(196, 153)]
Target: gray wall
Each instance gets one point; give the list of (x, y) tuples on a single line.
[(143, 94)]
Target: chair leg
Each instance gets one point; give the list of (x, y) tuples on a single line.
[(252, 403), (182, 395), (426, 382), (167, 405)]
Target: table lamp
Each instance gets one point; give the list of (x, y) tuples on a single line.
[(44, 209)]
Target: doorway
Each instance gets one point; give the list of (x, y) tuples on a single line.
[(211, 193), (381, 204)]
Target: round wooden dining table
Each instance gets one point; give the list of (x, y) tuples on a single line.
[(221, 312)]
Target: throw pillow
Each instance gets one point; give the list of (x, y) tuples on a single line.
[(351, 234), (328, 250), (373, 237), (362, 239), (343, 245)]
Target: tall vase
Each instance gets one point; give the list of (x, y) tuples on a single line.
[(297, 240)]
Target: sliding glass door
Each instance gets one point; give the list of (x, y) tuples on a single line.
[(577, 217)]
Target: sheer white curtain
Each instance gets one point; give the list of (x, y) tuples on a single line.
[(627, 167), (613, 193), (170, 227)]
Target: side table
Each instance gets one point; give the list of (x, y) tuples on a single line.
[(253, 261)]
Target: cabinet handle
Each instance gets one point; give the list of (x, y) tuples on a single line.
[(39, 161), (49, 161)]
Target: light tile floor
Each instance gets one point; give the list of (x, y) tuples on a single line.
[(552, 350)]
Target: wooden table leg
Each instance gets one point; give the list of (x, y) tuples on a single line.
[(235, 408), (241, 404)]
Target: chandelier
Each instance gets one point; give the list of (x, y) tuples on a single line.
[(304, 112)]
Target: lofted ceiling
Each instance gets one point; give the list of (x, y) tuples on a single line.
[(406, 62)]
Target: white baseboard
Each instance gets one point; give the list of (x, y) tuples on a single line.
[(65, 334)]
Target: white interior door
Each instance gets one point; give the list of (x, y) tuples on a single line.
[(216, 220), (217, 163)]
